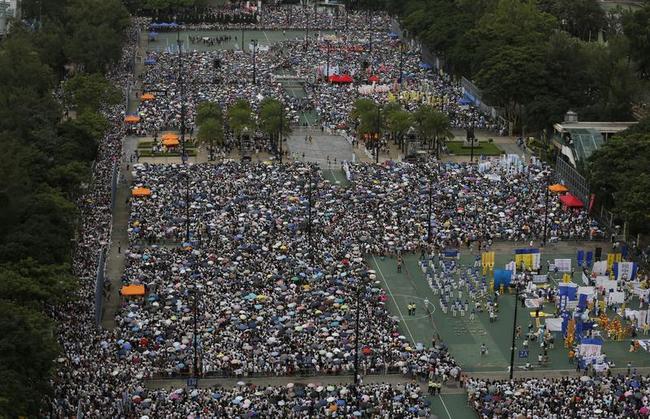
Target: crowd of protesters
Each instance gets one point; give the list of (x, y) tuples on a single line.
[(612, 396), (272, 266)]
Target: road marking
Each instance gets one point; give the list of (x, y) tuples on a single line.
[(445, 406), (334, 176), (393, 297), (267, 38)]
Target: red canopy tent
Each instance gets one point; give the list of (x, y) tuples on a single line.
[(571, 201), (341, 78)]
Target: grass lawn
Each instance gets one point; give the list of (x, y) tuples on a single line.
[(485, 149), (148, 153)]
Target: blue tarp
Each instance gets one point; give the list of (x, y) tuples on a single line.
[(502, 276)]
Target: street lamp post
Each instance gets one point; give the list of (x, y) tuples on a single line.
[(242, 37), (429, 234), (401, 64), (254, 41), (356, 337), (514, 329), (307, 33), (327, 73), (378, 127), (196, 315), (281, 130), (548, 179), (309, 226)]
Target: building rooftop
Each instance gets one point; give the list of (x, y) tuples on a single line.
[(602, 127)]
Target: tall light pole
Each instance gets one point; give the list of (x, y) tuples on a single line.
[(378, 127), (327, 73), (356, 337), (242, 37), (254, 41), (514, 330), (281, 130), (401, 65), (429, 233), (547, 184)]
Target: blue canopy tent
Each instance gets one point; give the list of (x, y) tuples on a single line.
[(425, 66), (393, 35), (150, 61)]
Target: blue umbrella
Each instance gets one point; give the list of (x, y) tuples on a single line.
[(127, 346), (340, 402)]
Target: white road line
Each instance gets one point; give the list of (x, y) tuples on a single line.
[(267, 38), (445, 406), (391, 296), (334, 176)]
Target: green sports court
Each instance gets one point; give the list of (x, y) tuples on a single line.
[(464, 336)]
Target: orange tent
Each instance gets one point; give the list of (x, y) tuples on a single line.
[(170, 142), (558, 188), (169, 139), (132, 290), (138, 192), (132, 119), (147, 96)]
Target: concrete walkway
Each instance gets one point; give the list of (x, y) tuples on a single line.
[(276, 381), (115, 261)]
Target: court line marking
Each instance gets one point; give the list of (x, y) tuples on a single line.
[(393, 297), (445, 406), (334, 176)]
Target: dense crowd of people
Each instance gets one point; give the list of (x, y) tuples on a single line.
[(616, 396), (272, 266), (374, 58)]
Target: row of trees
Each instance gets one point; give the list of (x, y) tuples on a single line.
[(47, 156), (432, 126), (538, 59), (619, 173), (271, 120)]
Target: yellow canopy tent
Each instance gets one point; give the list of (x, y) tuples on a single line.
[(132, 119), (170, 139), (558, 188), (132, 291), (139, 192), (147, 96)]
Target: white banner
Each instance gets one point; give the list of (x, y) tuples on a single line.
[(585, 279), (600, 267), (616, 297), (563, 265), (540, 279), (624, 270), (553, 324)]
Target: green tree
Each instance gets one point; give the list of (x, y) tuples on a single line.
[(33, 285), (89, 92), (636, 26), (583, 19), (211, 134), (208, 110), (273, 120), (96, 29), (619, 173), (398, 122), (28, 348), (433, 127), (240, 116)]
